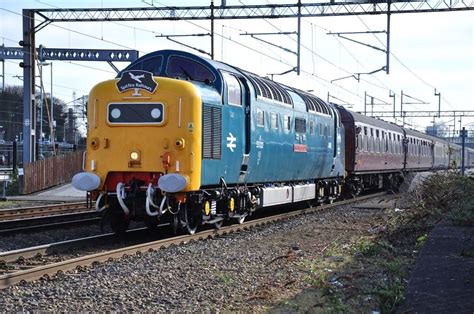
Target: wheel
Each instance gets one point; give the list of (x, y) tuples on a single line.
[(191, 220), (119, 223)]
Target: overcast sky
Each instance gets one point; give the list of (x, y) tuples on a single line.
[(429, 50)]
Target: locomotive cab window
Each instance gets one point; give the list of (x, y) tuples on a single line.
[(152, 64), (189, 69), (234, 93)]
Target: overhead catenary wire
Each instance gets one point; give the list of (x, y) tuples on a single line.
[(274, 58), (195, 24), (403, 64), (318, 77)]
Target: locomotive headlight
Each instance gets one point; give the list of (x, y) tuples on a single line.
[(135, 156)]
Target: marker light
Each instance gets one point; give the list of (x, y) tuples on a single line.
[(134, 156)]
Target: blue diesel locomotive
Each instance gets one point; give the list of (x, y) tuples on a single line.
[(206, 142)]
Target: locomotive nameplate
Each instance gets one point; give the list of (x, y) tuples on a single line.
[(137, 79)]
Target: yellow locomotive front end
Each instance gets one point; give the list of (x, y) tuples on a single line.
[(144, 132)]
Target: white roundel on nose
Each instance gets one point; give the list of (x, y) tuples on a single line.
[(172, 183)]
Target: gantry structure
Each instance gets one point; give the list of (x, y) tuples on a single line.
[(212, 12)]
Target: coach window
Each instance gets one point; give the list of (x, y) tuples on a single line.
[(234, 94), (395, 144), (365, 139), (377, 141), (383, 143), (399, 145), (260, 118), (389, 141), (274, 120), (371, 140)]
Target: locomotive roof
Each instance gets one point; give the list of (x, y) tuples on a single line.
[(263, 87)]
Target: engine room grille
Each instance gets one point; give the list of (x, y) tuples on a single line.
[(211, 132), (269, 89), (313, 103)]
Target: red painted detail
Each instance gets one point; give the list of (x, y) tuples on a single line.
[(166, 159), (300, 148), (113, 178)]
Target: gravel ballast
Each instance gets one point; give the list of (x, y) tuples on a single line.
[(247, 271)]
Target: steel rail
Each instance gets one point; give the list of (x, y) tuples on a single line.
[(45, 210), (43, 223), (47, 249), (51, 269)]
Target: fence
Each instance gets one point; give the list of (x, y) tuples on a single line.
[(43, 174), (44, 150)]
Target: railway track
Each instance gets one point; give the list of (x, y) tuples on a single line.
[(42, 211), (24, 219), (34, 272)]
